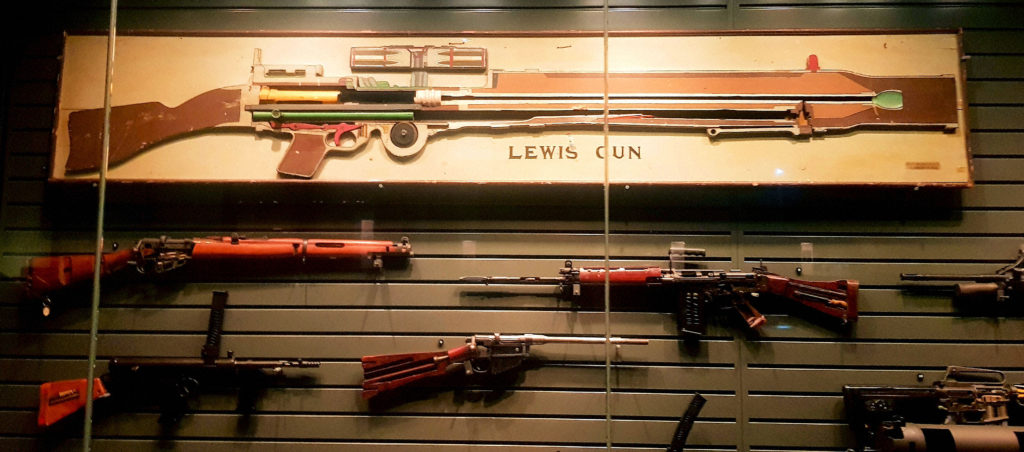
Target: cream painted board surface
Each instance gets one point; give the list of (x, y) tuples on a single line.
[(172, 70)]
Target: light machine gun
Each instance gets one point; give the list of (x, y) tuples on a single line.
[(322, 114), (1004, 285)]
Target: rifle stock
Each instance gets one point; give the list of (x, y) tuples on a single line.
[(387, 372), (60, 399), (46, 275), (135, 127), (833, 298)]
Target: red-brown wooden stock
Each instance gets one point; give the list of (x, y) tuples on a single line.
[(834, 298), (48, 274), (386, 372)]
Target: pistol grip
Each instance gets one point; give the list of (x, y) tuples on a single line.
[(304, 155)]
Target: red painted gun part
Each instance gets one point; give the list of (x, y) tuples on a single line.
[(285, 248), (48, 274), (834, 298), (338, 129), (386, 372), (137, 126), (60, 399), (812, 63), (626, 275)]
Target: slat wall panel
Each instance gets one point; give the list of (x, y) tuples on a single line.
[(779, 389)]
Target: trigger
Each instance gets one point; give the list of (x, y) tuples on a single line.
[(342, 129)]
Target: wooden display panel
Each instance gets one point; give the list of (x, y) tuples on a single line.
[(172, 70)]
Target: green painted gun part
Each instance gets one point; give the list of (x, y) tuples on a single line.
[(322, 116), (889, 100)]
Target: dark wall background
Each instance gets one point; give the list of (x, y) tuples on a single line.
[(776, 391)]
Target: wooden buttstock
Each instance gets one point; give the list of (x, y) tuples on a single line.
[(60, 399), (48, 274), (135, 127), (386, 372), (834, 298)]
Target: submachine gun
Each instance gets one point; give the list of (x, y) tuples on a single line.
[(968, 410), (171, 380)]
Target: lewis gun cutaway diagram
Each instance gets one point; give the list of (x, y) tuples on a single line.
[(322, 114)]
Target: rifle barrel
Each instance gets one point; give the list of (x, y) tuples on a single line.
[(537, 339), (537, 280), (977, 278)]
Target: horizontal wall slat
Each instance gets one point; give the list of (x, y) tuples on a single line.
[(886, 354), (832, 380), (349, 347), (998, 169), (674, 378), (469, 402), (406, 428), (995, 67), (207, 445), (992, 92)]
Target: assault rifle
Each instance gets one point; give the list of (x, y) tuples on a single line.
[(1004, 285), (698, 290), (970, 409), (483, 354), (47, 275), (172, 381), (323, 114)]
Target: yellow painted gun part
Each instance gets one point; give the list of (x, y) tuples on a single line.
[(269, 94)]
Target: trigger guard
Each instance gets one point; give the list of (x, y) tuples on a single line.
[(406, 152), (360, 137)]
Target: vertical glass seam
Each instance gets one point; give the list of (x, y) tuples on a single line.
[(108, 87)]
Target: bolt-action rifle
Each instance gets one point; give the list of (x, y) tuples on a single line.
[(324, 114), (970, 409), (169, 381), (1004, 285), (483, 354), (49, 274), (699, 290)]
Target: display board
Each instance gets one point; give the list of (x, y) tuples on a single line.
[(741, 108)]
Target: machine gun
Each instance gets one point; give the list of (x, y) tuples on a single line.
[(490, 354), (172, 381), (322, 114), (1004, 285), (970, 409), (696, 291), (50, 274)]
